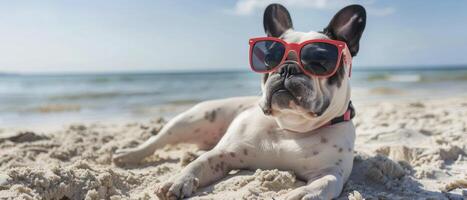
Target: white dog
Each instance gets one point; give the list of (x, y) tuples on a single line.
[(301, 123)]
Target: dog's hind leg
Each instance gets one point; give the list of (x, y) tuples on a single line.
[(203, 125)]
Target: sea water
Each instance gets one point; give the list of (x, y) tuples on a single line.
[(47, 99)]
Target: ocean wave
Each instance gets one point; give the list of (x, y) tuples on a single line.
[(405, 78), (419, 77), (55, 108), (103, 79), (100, 95), (395, 77), (385, 91)]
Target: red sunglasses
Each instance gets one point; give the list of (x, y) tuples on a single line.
[(319, 57)]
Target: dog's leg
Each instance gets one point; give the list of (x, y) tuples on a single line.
[(203, 125), (206, 169), (327, 185)]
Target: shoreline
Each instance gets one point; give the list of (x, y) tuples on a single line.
[(404, 149), (169, 110), (50, 100)]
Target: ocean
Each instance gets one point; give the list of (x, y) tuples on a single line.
[(51, 99)]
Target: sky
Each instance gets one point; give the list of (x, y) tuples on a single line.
[(175, 35)]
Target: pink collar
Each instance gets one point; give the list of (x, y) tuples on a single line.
[(347, 116)]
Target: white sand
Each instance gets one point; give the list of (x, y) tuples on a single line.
[(404, 150)]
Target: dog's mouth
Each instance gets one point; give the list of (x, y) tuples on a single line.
[(283, 99)]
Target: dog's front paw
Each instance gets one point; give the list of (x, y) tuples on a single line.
[(127, 156), (303, 194), (178, 188)]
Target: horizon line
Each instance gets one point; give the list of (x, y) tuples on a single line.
[(217, 70)]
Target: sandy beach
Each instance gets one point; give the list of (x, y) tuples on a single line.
[(405, 149), (81, 80)]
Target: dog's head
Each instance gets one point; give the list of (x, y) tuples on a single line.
[(300, 102)]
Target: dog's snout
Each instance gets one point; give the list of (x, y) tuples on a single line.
[(290, 68)]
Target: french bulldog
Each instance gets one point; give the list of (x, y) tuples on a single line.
[(301, 123)]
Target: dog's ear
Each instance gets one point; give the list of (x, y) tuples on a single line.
[(348, 25), (276, 20)]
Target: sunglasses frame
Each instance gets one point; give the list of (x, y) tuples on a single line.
[(343, 51)]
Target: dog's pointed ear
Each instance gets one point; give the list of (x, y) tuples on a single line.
[(348, 25), (276, 20)]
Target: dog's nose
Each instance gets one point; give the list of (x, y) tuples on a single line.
[(290, 68)]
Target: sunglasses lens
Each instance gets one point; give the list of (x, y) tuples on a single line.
[(319, 58), (266, 55)]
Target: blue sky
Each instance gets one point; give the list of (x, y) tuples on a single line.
[(115, 35)]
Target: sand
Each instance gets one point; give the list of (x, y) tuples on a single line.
[(404, 150)]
